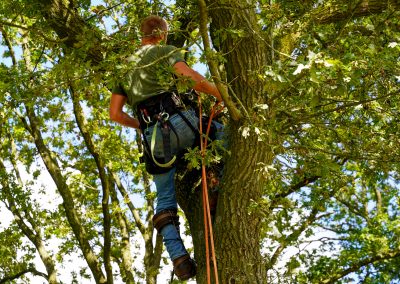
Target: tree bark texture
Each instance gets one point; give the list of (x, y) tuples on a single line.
[(237, 229)]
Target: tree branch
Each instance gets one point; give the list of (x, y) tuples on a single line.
[(234, 112), (128, 201), (72, 215), (294, 235), (9, 44), (334, 13), (125, 240), (355, 210), (106, 181), (348, 105), (10, 278), (297, 186), (71, 28), (153, 253), (31, 29), (334, 276)]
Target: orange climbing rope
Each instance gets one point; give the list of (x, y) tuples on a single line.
[(208, 231)]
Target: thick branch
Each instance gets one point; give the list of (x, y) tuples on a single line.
[(105, 179), (334, 13), (70, 27), (53, 168)]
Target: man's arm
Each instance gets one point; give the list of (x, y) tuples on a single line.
[(118, 115), (201, 83)]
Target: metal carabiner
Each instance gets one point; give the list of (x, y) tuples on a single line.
[(163, 116), (146, 118)]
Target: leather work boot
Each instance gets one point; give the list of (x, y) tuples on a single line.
[(184, 267)]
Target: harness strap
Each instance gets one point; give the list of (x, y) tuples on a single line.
[(152, 146), (195, 131), (165, 132), (165, 217)]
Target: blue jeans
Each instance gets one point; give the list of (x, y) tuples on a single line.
[(166, 197)]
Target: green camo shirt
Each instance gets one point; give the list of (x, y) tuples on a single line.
[(150, 73)]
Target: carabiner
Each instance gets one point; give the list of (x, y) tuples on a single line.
[(163, 116), (146, 118)]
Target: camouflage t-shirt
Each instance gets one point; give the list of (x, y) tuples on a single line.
[(150, 72)]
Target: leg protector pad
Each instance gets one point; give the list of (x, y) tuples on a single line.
[(165, 217)]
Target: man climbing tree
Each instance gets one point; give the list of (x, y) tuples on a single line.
[(167, 125)]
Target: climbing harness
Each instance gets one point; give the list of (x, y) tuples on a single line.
[(156, 112)]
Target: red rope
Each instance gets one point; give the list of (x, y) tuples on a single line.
[(208, 231)]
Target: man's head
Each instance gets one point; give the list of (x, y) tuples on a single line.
[(154, 28)]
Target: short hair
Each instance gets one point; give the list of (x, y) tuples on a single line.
[(153, 26)]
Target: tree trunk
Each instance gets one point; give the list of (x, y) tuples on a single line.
[(237, 228)]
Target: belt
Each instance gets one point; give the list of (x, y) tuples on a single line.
[(150, 110)]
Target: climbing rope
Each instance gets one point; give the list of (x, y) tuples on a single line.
[(208, 231)]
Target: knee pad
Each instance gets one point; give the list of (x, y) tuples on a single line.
[(165, 217)]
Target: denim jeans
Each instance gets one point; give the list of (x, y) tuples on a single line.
[(166, 197)]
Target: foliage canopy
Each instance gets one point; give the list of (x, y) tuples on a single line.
[(310, 192)]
